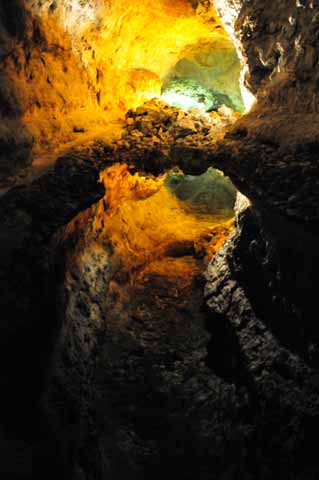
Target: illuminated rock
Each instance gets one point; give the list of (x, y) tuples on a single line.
[(212, 70), (186, 93), (70, 64), (210, 192)]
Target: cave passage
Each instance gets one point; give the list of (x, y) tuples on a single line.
[(205, 78), (153, 323), (85, 64), (168, 75), (175, 80), (134, 322)]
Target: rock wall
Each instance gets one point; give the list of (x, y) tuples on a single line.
[(31, 273), (129, 47), (59, 59), (42, 87), (261, 286), (271, 155), (277, 43), (15, 141)]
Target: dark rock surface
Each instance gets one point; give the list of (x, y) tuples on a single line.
[(270, 345), (273, 159), (30, 276), (158, 137), (277, 43), (155, 395), (15, 149)]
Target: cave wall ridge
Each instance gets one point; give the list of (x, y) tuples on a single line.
[(277, 42)]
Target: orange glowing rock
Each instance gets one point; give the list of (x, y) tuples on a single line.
[(144, 84), (94, 60), (147, 248), (104, 56), (145, 221)]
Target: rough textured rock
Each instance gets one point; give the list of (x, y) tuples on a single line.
[(157, 137), (274, 164), (15, 147), (147, 392), (116, 42), (277, 45), (272, 342), (133, 343), (30, 276), (38, 108), (68, 67)]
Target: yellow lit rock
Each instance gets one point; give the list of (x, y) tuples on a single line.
[(140, 232), (95, 59), (144, 221)]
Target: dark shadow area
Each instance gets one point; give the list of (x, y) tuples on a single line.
[(281, 424), (271, 352), (14, 17), (225, 356), (279, 275), (15, 141), (31, 272)]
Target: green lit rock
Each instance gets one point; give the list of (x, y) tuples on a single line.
[(210, 193), (186, 93), (213, 67)]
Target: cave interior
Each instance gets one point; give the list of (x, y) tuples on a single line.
[(159, 183)]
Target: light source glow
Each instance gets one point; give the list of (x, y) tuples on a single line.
[(182, 101), (248, 98)]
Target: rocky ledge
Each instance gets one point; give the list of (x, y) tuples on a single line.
[(157, 136), (273, 159)]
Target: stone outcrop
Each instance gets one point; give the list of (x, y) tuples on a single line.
[(157, 137), (277, 45)]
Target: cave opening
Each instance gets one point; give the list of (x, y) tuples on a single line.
[(156, 86), (142, 249), (134, 276), (206, 77)]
